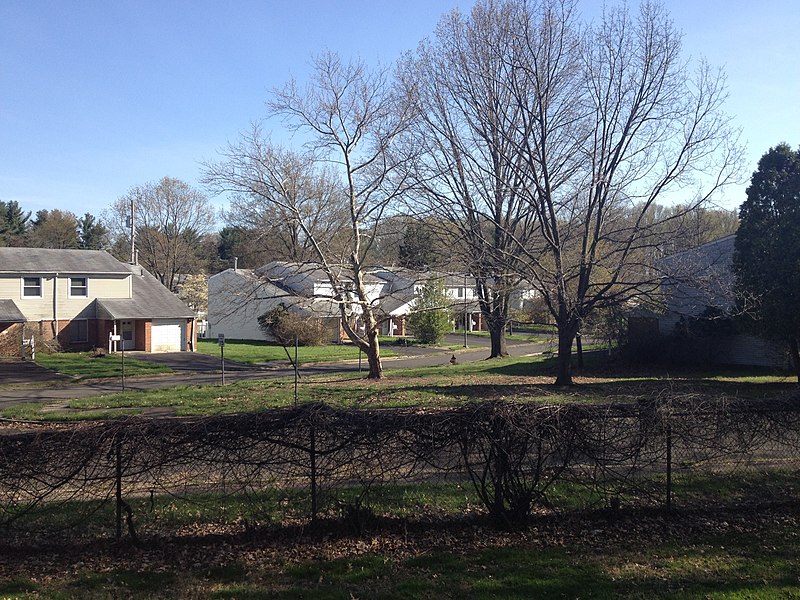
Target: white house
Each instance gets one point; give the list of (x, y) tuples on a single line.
[(237, 297)]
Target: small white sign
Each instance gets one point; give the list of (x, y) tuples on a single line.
[(221, 339), (114, 338)]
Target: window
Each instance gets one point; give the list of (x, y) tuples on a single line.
[(31, 287), (461, 292), (79, 331), (78, 286)]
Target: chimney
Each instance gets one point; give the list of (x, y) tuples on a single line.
[(235, 263)]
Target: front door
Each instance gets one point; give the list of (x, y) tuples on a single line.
[(128, 337)]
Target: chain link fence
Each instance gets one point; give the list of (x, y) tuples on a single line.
[(138, 477)]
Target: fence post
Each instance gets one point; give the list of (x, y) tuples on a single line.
[(669, 467), (118, 482), (313, 457)]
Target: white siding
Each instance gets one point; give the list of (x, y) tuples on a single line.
[(234, 307)]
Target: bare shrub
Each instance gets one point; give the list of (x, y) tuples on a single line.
[(286, 326), (314, 460)]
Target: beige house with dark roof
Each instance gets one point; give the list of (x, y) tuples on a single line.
[(80, 297)]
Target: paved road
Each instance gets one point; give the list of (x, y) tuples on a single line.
[(199, 369)]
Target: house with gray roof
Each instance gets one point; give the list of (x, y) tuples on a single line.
[(237, 297), (80, 298), (698, 306)]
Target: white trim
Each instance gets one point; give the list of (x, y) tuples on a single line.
[(86, 287), (22, 294)]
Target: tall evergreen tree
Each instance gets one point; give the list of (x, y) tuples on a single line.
[(767, 251), (93, 234), (417, 250), (14, 223)]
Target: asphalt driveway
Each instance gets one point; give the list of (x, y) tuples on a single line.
[(27, 372), (195, 362)]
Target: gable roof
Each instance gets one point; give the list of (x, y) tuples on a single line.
[(280, 271), (49, 260), (9, 313), (151, 300), (700, 277)]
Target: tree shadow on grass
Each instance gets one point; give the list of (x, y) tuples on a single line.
[(599, 376), (601, 391), (729, 566)]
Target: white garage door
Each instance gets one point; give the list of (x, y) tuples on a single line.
[(167, 335)]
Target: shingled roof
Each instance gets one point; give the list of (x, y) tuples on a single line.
[(9, 313), (48, 260), (151, 300)]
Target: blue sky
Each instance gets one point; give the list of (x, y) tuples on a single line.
[(99, 96)]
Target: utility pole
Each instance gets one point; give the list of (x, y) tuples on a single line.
[(132, 224)]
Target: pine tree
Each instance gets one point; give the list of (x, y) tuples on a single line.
[(93, 234), (767, 251), (14, 223)]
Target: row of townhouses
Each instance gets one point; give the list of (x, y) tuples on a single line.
[(81, 299), (237, 297)]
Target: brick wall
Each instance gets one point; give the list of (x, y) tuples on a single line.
[(144, 332)]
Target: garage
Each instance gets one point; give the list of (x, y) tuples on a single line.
[(168, 335)]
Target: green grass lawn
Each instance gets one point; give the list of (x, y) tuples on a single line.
[(526, 379), (734, 568), (536, 336), (731, 568), (209, 551), (202, 552), (83, 366), (254, 352), (509, 378)]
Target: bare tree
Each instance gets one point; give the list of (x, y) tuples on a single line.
[(548, 143), (170, 217), (646, 128), (288, 191), (465, 139), (349, 115)]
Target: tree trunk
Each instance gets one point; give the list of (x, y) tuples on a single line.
[(565, 337), (497, 335), (794, 350), (374, 356)]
